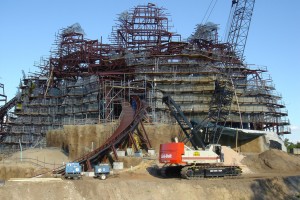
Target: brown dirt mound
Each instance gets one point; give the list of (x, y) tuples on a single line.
[(34, 161), (82, 139), (274, 160), (47, 157), (78, 140), (7, 172), (279, 160)]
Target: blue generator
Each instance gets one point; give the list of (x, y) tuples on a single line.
[(102, 171), (73, 170)]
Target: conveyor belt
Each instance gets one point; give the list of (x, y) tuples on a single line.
[(6, 107), (3, 111), (129, 121)]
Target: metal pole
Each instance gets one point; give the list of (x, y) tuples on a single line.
[(21, 156), (236, 140)]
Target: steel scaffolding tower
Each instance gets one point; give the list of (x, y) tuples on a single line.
[(84, 81)]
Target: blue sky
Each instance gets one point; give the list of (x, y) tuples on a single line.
[(28, 31)]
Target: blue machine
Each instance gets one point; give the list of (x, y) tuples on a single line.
[(102, 171), (73, 170)]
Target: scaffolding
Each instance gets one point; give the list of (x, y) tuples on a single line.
[(85, 81), (3, 100)]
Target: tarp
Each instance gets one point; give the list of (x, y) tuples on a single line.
[(243, 134)]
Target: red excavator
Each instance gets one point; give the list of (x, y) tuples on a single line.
[(200, 160)]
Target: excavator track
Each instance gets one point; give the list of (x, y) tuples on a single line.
[(200, 171), (208, 171), (189, 172), (171, 171)]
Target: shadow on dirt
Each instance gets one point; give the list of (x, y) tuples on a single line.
[(154, 170), (165, 172), (276, 188)]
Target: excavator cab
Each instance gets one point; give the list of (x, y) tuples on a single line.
[(218, 150)]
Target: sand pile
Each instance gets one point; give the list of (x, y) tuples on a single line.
[(274, 160), (231, 157)]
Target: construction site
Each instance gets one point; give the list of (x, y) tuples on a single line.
[(92, 100)]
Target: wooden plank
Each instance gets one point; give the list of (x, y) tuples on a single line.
[(35, 179)]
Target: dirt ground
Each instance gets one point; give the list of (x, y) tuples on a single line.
[(142, 186), (32, 162), (272, 175)]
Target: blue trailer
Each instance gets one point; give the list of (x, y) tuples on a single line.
[(102, 171), (73, 170)]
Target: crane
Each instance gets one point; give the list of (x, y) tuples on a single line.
[(206, 162), (240, 16), (240, 19), (200, 161)]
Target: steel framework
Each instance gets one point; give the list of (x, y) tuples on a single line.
[(84, 81), (3, 99), (241, 15)]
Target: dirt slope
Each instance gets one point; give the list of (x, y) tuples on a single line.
[(272, 161), (140, 186), (276, 175), (34, 161)]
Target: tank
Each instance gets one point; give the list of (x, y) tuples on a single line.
[(102, 171), (73, 170)]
